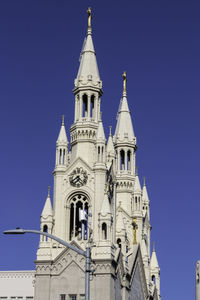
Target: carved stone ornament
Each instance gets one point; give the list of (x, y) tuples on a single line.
[(78, 177)]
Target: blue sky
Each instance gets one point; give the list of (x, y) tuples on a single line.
[(157, 43)]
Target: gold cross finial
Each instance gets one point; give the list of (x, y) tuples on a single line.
[(48, 191), (63, 119), (124, 81), (89, 12), (135, 227)]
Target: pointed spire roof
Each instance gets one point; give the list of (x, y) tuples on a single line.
[(62, 137), (110, 146), (88, 73), (124, 128), (47, 210), (137, 186), (105, 209), (144, 192), (154, 261), (100, 132)]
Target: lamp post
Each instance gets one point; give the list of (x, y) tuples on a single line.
[(86, 253)]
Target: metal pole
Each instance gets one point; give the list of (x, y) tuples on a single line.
[(87, 273), (197, 280)]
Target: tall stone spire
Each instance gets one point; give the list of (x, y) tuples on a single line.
[(100, 132), (155, 270), (62, 137), (110, 150), (145, 196), (61, 148), (87, 91), (88, 73), (124, 129), (47, 210)]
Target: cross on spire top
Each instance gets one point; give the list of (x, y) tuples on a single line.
[(124, 82), (89, 12)]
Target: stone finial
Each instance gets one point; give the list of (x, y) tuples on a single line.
[(110, 128), (154, 247), (48, 191), (63, 120)]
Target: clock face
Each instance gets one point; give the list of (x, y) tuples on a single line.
[(78, 177)]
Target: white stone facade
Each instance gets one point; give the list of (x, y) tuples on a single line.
[(99, 179), (17, 285)]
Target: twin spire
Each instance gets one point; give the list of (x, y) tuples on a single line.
[(88, 73), (124, 129)]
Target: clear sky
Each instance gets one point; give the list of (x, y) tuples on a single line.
[(158, 44)]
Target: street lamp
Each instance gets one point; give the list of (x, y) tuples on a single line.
[(86, 253)]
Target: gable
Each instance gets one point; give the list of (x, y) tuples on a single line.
[(64, 262)]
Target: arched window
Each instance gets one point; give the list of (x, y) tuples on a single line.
[(92, 106), (129, 160), (119, 242), (153, 278), (99, 153), (85, 106), (45, 229), (60, 156), (136, 203), (78, 217), (102, 154), (63, 157), (104, 231), (122, 156)]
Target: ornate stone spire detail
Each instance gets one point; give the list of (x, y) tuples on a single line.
[(47, 210), (145, 196), (62, 137), (124, 129), (110, 146), (100, 132), (88, 73)]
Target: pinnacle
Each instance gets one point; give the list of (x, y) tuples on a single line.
[(62, 137), (47, 210)]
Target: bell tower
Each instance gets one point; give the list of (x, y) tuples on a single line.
[(87, 92)]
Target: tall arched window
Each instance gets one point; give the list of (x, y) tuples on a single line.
[(92, 106), (78, 225), (129, 160), (85, 106), (153, 279), (99, 153), (60, 157), (63, 157), (104, 231), (122, 161), (45, 229)]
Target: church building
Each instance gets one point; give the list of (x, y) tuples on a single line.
[(98, 201)]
